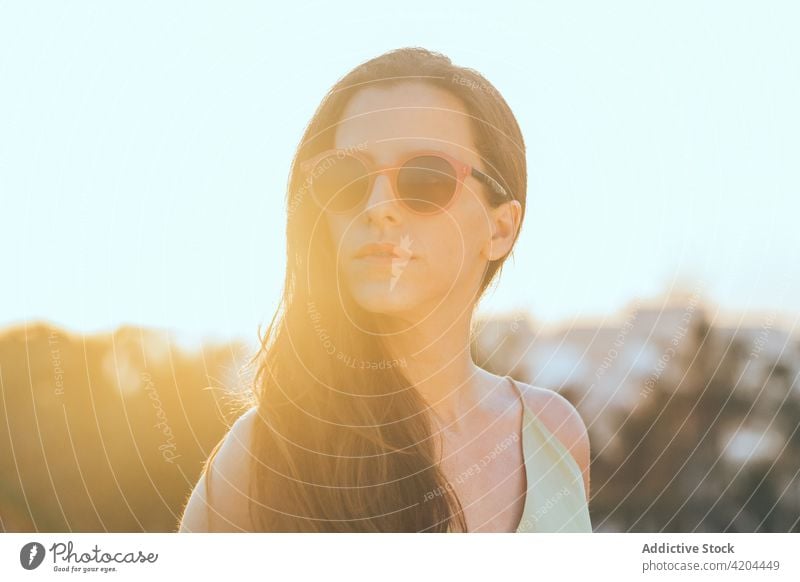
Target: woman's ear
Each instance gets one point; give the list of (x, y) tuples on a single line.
[(505, 222)]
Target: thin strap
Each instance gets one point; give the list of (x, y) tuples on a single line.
[(519, 392), (563, 452)]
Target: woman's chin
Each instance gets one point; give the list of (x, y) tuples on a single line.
[(379, 299)]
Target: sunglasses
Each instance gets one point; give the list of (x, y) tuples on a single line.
[(425, 182)]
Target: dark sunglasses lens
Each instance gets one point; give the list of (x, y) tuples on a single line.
[(427, 183), (340, 182)]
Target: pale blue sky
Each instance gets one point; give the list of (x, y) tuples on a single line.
[(144, 149)]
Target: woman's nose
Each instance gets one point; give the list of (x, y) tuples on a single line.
[(381, 202)]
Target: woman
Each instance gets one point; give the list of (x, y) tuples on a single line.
[(405, 197)]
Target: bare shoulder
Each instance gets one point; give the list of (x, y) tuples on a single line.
[(220, 500), (564, 421)]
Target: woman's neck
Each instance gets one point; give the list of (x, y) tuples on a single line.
[(439, 364)]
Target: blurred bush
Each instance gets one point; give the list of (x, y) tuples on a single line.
[(107, 432)]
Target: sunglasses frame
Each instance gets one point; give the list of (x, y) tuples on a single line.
[(462, 170)]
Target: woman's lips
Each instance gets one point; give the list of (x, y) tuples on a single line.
[(379, 259), (384, 258)]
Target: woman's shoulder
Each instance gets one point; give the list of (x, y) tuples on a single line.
[(220, 501), (562, 420), (557, 413)]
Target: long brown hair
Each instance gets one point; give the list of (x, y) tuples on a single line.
[(344, 441)]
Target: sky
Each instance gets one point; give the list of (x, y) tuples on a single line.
[(145, 147)]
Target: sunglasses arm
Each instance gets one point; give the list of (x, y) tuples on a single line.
[(491, 182)]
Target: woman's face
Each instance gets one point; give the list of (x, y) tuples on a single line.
[(444, 255)]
